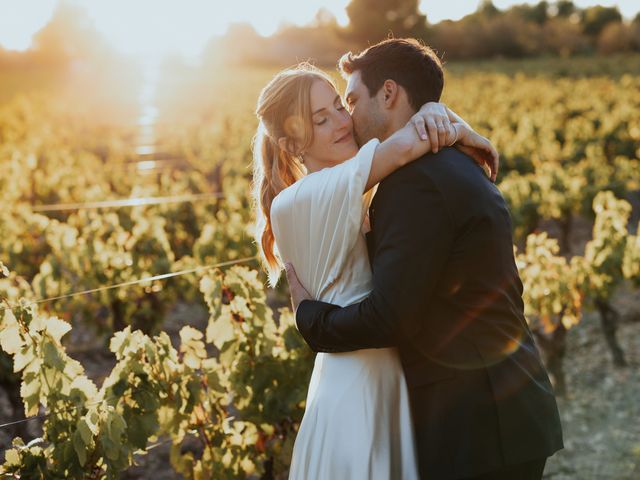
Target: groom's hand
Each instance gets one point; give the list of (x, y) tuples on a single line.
[(298, 292)]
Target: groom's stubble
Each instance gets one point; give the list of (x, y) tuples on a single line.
[(372, 125), (379, 122)]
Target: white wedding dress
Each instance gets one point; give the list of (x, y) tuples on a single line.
[(357, 422)]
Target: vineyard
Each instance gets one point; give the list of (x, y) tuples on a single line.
[(112, 230)]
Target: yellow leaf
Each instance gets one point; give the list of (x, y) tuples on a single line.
[(86, 386), (247, 465), (22, 358), (188, 334), (10, 340), (191, 360), (38, 324), (220, 331), (12, 457), (9, 318), (57, 328)]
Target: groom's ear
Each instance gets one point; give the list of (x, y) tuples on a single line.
[(389, 93)]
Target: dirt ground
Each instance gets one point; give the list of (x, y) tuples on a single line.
[(601, 412)]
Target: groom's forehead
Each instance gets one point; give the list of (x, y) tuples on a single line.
[(354, 83)]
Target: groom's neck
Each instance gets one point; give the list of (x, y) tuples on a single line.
[(398, 119)]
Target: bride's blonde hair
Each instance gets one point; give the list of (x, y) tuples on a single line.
[(284, 111)]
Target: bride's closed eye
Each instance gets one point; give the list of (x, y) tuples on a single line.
[(340, 106)]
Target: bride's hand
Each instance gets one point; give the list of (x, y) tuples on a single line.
[(479, 148), (298, 292), (432, 123)]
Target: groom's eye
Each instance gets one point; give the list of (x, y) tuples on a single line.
[(350, 103)]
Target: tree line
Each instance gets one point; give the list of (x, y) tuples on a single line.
[(558, 28), (545, 29)]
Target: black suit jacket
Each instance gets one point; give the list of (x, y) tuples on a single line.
[(447, 293)]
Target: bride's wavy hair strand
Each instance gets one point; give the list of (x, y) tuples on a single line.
[(284, 111)]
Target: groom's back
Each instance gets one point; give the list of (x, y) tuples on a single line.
[(481, 396), (479, 292)]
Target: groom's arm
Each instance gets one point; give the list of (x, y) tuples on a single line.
[(413, 237)]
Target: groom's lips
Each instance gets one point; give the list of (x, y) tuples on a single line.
[(342, 139)]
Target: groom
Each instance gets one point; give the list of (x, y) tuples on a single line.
[(446, 291)]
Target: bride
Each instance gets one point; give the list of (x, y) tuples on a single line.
[(312, 190)]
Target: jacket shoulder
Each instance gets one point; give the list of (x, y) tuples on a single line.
[(447, 166)]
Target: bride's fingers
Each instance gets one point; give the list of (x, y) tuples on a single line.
[(297, 290), (433, 134), (418, 123), (492, 160), (451, 134), (442, 133), (496, 164), (454, 134)]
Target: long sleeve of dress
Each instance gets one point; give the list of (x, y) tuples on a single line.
[(316, 221)]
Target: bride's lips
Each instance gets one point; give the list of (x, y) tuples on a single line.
[(344, 138)]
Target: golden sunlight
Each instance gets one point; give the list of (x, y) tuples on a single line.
[(20, 20), (156, 28)]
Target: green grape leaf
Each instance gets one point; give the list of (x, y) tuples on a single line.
[(80, 447), (52, 356), (141, 427), (85, 431)]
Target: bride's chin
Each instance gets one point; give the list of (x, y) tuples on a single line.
[(347, 151), (350, 149)]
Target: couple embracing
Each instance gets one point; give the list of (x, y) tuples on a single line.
[(398, 249)]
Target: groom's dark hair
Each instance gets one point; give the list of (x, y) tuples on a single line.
[(409, 63)]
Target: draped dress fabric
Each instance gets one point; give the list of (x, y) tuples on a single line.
[(357, 422)]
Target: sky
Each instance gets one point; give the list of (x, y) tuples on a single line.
[(184, 26)]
